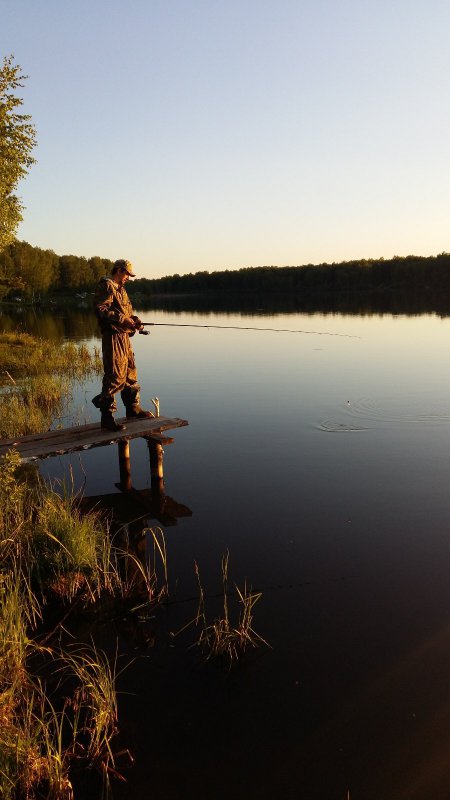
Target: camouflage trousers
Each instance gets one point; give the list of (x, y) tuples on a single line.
[(120, 374)]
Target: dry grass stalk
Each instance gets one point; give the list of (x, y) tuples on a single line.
[(221, 638)]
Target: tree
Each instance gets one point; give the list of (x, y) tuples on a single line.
[(17, 140)]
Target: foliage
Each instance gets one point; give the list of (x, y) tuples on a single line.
[(17, 140), (39, 271), (31, 271), (359, 275)]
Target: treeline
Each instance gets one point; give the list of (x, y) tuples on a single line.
[(410, 272), (32, 271)]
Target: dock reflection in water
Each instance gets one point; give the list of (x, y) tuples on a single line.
[(131, 515), (135, 505)]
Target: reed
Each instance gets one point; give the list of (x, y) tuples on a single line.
[(24, 760), (39, 761), (32, 406), (14, 508), (221, 638), (18, 613), (94, 702), (38, 743), (24, 355), (157, 564), (36, 376)]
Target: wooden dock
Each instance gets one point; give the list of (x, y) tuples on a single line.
[(84, 437)]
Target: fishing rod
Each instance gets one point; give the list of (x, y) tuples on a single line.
[(240, 328)]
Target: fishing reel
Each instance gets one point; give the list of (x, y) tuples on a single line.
[(144, 333)]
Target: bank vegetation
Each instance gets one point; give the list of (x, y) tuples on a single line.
[(58, 704)]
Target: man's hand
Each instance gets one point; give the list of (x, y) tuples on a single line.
[(138, 326), (133, 324)]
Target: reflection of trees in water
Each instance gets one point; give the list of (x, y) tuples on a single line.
[(80, 323), (57, 323), (359, 303)]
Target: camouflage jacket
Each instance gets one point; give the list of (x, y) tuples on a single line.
[(112, 307)]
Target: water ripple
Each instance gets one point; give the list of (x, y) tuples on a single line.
[(365, 413)]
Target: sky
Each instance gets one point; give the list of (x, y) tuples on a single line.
[(191, 135)]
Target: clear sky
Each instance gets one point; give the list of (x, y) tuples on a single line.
[(194, 135)]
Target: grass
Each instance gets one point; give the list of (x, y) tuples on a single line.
[(36, 377), (68, 547), (96, 698), (24, 355), (47, 548), (32, 406), (40, 739), (40, 743), (157, 565), (221, 638)]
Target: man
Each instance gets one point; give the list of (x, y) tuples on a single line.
[(117, 323)]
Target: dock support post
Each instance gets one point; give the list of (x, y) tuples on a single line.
[(124, 465), (156, 466)]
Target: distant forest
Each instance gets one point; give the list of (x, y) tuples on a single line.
[(31, 271), (410, 272)]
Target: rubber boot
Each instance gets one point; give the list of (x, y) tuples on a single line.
[(108, 422), (136, 412)]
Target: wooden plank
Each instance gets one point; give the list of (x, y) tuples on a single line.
[(154, 424), (84, 437)]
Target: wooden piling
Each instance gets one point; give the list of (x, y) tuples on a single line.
[(124, 465), (156, 454)]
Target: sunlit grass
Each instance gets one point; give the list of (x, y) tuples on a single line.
[(32, 406), (157, 568), (96, 698), (69, 550), (18, 613), (47, 546), (23, 355), (222, 637), (36, 376)]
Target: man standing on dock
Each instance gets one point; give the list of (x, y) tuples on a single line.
[(117, 323)]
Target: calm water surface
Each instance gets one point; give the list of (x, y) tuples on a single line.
[(322, 464)]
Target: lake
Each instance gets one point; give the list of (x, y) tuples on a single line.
[(321, 462)]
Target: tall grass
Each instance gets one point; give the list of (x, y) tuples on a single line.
[(67, 547), (221, 637), (157, 568), (31, 407), (24, 355), (37, 376), (96, 698), (47, 544), (39, 742)]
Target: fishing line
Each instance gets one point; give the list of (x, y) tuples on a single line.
[(245, 328)]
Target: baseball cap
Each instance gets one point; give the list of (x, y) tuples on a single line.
[(122, 263)]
